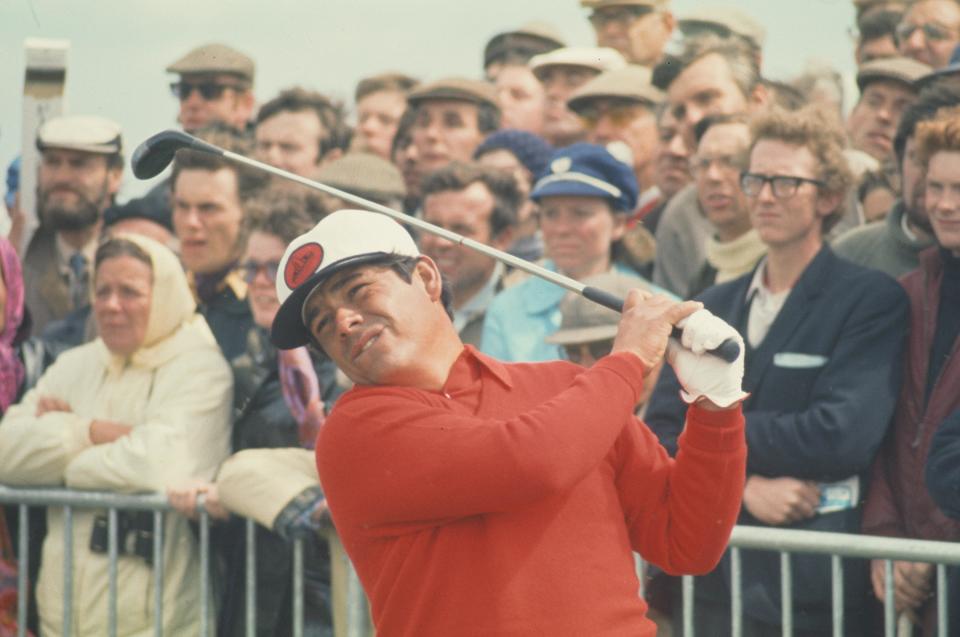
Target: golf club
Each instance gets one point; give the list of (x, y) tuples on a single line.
[(152, 156)]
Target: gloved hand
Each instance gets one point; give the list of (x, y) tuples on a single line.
[(704, 375)]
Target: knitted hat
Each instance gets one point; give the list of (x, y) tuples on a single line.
[(530, 150)]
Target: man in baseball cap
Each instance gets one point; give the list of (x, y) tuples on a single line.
[(639, 29), (81, 165), (442, 466)]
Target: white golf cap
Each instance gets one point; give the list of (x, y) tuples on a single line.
[(340, 240), (86, 133), (597, 59)]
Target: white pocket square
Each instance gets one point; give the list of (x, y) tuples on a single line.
[(797, 360)]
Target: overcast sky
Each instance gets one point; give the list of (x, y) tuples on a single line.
[(119, 48)]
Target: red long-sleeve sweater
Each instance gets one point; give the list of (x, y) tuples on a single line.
[(509, 502)]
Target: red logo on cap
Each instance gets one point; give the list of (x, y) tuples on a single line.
[(302, 264)]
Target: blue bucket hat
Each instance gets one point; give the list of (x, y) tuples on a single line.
[(588, 170)]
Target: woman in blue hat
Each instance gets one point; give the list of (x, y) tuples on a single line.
[(584, 199)]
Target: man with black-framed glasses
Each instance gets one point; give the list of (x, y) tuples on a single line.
[(824, 340), (215, 84), (929, 31), (638, 29)]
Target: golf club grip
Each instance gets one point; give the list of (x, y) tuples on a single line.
[(728, 350)]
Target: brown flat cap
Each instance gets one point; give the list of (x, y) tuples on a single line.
[(597, 4), (727, 18), (214, 58), (629, 83), (583, 321), (455, 88), (531, 39), (363, 173), (898, 69)]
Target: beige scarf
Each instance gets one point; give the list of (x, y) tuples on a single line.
[(737, 257)]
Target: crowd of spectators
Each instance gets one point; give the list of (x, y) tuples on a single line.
[(135, 336)]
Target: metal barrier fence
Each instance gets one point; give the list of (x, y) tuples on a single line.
[(352, 618)]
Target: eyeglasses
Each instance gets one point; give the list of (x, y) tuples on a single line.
[(250, 269), (620, 16), (783, 186), (620, 114), (931, 31), (208, 90), (597, 349)]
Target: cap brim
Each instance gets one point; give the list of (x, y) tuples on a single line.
[(576, 335), (569, 188), (288, 330)]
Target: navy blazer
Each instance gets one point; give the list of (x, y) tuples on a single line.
[(823, 385)]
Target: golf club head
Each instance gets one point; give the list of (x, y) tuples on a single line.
[(153, 155)]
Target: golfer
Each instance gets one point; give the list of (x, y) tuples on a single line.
[(476, 497)]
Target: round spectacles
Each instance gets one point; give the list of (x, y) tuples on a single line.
[(597, 349), (931, 31), (783, 186), (620, 16), (208, 90)]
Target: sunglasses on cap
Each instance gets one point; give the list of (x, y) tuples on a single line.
[(931, 31), (597, 349), (250, 269), (208, 90)]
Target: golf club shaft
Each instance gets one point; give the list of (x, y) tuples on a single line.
[(163, 145)]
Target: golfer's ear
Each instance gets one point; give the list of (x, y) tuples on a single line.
[(428, 272)]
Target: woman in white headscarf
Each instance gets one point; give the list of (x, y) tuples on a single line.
[(142, 407)]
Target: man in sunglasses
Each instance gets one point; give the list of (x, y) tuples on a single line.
[(215, 84), (929, 31), (824, 341), (620, 106), (638, 29)]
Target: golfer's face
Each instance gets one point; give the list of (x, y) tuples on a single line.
[(372, 323)]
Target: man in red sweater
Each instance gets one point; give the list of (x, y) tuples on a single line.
[(481, 498)]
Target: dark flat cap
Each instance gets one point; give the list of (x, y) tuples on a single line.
[(214, 58), (898, 69), (455, 88), (531, 39)]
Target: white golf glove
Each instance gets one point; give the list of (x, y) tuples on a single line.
[(701, 374)]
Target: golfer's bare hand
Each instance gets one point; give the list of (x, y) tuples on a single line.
[(779, 501), (46, 404), (912, 583), (646, 325)]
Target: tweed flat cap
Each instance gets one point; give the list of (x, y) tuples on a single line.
[(455, 88), (86, 133), (631, 83), (359, 172), (583, 321), (899, 69), (214, 58)]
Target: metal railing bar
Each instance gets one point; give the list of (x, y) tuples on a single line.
[(836, 581), (251, 578), (942, 598), (786, 594), (67, 570), (866, 546), (736, 593), (41, 496), (889, 611), (298, 587), (158, 573), (204, 568), (686, 583), (112, 552), (23, 567)]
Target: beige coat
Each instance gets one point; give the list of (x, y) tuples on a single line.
[(176, 393)]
